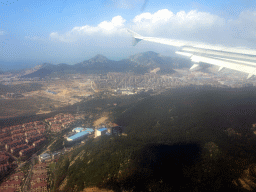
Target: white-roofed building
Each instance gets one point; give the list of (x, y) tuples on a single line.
[(100, 132), (44, 157), (78, 129)]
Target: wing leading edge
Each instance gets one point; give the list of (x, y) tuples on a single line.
[(243, 60)]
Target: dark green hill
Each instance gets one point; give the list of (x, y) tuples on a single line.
[(176, 142)]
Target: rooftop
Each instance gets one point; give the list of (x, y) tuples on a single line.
[(80, 134), (102, 129), (41, 184), (44, 155), (78, 129), (89, 129)]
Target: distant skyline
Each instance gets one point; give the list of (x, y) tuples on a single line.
[(64, 31)]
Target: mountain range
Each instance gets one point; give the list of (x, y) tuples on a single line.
[(139, 64)]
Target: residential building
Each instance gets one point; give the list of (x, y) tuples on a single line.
[(4, 159), (34, 138), (19, 136), (17, 176), (17, 131), (30, 133), (3, 135), (39, 142), (13, 144), (5, 140), (4, 169), (38, 179), (17, 149), (28, 151), (42, 187)]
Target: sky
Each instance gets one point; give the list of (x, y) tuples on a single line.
[(33, 32)]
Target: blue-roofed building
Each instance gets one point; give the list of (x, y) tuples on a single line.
[(78, 136), (81, 133), (101, 131)]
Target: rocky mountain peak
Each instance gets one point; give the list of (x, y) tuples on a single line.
[(148, 58), (98, 59)]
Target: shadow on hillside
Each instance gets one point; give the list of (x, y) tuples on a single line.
[(178, 167)]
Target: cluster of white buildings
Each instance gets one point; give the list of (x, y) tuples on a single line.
[(45, 157), (80, 133), (48, 157)]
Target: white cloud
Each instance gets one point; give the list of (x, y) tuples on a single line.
[(161, 15), (1, 32), (192, 25), (166, 23), (198, 26), (183, 19), (113, 27)]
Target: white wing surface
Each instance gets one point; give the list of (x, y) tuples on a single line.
[(238, 59)]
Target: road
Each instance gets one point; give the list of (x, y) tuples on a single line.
[(26, 184)]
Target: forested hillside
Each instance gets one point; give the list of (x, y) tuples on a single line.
[(179, 140)]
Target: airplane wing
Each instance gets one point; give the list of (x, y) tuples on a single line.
[(238, 59)]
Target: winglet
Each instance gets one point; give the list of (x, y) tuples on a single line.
[(136, 37)]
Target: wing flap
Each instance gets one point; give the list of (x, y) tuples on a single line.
[(224, 64)]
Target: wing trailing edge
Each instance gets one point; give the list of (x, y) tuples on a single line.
[(243, 60)]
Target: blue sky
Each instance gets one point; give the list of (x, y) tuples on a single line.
[(65, 31)]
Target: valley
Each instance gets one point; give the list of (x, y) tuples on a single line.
[(140, 115)]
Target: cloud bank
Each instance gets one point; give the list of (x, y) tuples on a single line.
[(105, 28), (182, 21), (192, 25)]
